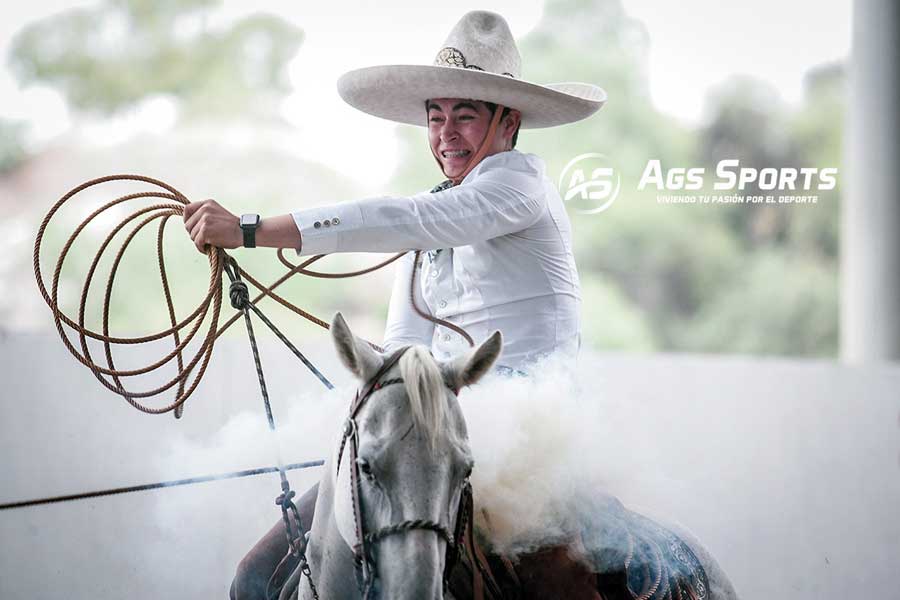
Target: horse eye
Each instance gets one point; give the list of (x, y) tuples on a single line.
[(364, 467)]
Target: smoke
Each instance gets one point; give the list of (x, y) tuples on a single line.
[(541, 447), (783, 468), (549, 451)]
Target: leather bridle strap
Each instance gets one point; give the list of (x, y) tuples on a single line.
[(359, 550), (363, 541)]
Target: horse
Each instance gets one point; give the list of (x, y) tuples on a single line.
[(394, 507), (388, 503)]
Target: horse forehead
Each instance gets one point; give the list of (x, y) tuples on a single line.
[(389, 411), (384, 412)]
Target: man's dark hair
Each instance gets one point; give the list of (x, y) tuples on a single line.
[(493, 108)]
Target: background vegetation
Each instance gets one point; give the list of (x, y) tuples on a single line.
[(760, 279)]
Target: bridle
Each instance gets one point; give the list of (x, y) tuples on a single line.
[(364, 560)]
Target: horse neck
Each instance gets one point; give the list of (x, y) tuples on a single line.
[(330, 558)]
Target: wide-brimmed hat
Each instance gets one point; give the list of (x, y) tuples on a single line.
[(479, 61)]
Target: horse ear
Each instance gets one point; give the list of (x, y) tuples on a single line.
[(471, 367), (357, 355)]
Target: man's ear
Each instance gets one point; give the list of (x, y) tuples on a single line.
[(356, 354), (469, 368), (512, 122), (513, 119)]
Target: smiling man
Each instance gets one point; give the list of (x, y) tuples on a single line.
[(497, 237), (495, 234), (457, 128)]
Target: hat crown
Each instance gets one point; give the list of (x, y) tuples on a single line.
[(482, 41)]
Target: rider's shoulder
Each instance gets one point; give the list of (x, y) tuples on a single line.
[(511, 163)]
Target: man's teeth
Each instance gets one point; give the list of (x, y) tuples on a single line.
[(455, 153)]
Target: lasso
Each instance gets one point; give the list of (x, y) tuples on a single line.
[(219, 261)]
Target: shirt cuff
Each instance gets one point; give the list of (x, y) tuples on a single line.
[(322, 228)]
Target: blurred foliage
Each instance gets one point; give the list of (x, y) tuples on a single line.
[(707, 278), (704, 278), (110, 57), (12, 149)]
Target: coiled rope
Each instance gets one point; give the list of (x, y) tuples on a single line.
[(108, 374)]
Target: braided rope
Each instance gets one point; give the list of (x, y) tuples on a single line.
[(182, 332), (405, 526)]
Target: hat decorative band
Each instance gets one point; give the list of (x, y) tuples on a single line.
[(452, 57)]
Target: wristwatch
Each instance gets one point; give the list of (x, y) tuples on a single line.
[(249, 223)]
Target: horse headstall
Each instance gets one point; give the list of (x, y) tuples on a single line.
[(363, 558)]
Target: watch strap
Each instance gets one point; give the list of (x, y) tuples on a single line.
[(249, 229)]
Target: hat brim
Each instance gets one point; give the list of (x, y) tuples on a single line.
[(399, 92)]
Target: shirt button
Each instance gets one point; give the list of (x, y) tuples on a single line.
[(443, 303), (326, 223), (335, 221), (434, 273), (446, 337), (317, 224)]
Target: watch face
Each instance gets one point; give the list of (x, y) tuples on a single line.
[(249, 220)]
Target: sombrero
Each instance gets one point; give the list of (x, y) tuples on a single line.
[(480, 61)]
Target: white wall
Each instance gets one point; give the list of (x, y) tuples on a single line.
[(789, 471)]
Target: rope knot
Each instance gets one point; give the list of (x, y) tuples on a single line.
[(286, 499), (239, 294)]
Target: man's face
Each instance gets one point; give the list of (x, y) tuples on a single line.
[(456, 128)]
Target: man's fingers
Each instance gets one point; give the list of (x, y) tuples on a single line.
[(197, 233), (196, 211), (199, 239), (192, 207), (208, 223)]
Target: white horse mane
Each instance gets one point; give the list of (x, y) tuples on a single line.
[(425, 389)]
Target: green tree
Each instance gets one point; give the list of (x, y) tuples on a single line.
[(110, 57), (657, 277), (12, 148)]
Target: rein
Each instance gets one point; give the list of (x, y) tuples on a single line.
[(181, 332), (364, 560), (239, 295)]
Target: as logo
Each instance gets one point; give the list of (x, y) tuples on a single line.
[(590, 182)]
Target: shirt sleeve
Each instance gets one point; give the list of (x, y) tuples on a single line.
[(404, 326), (504, 197)]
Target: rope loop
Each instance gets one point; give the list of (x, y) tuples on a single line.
[(202, 325)]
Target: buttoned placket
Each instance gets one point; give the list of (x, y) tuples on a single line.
[(440, 294)]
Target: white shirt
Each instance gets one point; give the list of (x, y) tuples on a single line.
[(505, 259)]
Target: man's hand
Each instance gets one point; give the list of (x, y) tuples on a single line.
[(207, 222)]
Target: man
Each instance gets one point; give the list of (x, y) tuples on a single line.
[(496, 235)]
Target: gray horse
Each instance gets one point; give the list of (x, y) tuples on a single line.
[(414, 458), (413, 461)]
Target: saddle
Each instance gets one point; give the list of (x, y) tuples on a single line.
[(547, 573), (621, 555)]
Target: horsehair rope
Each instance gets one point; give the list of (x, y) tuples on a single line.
[(219, 261)]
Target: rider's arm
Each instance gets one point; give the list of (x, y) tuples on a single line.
[(502, 195), (278, 232), (404, 326)]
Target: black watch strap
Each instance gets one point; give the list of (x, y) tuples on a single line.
[(249, 223)]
